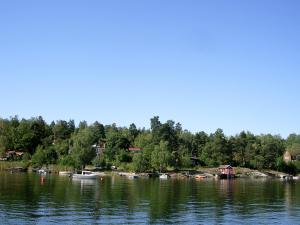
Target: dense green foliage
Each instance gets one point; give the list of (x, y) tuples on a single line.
[(164, 145)]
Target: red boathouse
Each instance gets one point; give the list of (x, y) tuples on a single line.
[(226, 171)]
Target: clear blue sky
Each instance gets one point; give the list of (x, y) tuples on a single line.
[(206, 64)]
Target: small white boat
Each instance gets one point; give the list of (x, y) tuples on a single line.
[(285, 177), (85, 175), (133, 176), (65, 173), (164, 176), (42, 171), (84, 182)]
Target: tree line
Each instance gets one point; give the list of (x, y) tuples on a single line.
[(165, 145)]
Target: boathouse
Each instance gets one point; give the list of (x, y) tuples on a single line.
[(226, 171)]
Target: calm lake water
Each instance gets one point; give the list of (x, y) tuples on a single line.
[(25, 199)]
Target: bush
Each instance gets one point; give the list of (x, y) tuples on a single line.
[(280, 164), (2, 152), (44, 156), (290, 168), (26, 156), (39, 157), (140, 163), (66, 161), (99, 162), (123, 156), (186, 161), (297, 165)]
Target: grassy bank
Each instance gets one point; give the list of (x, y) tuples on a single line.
[(4, 165), (56, 168)]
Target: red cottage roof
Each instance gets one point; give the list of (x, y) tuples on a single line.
[(135, 149)]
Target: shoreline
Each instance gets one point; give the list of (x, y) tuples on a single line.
[(240, 172)]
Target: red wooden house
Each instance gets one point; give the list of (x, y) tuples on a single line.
[(226, 171)]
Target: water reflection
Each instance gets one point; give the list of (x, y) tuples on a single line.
[(86, 182), (116, 199)]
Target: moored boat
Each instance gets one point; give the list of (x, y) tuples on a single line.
[(85, 175), (133, 176), (286, 177), (164, 176), (42, 171)]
